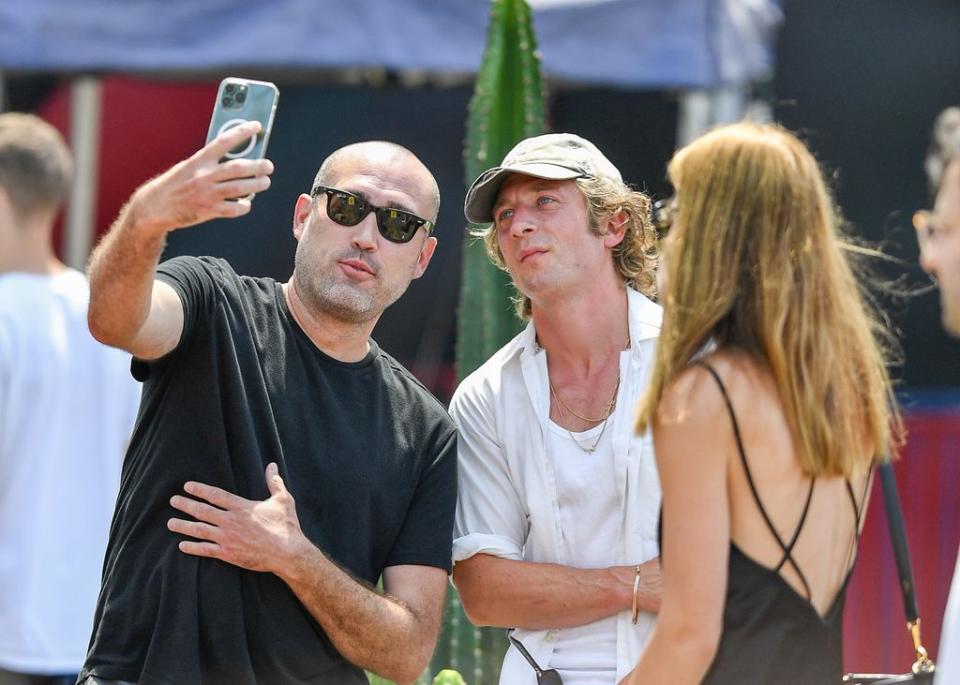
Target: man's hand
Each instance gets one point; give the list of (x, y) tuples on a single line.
[(392, 634), (127, 309), (202, 187), (255, 535)]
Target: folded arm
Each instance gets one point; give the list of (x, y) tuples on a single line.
[(496, 587), (523, 594)]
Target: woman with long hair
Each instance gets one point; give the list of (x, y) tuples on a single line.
[(769, 403)]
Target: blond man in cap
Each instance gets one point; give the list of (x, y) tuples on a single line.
[(556, 527)]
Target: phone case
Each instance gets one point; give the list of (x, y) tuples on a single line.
[(240, 100)]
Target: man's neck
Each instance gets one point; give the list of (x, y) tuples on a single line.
[(25, 241), (584, 328), (30, 254), (346, 342)]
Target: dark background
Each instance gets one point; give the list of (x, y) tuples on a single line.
[(864, 80)]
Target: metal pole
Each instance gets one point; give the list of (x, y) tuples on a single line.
[(85, 140), (702, 109)]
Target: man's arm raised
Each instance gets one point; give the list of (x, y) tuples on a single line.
[(128, 308), (392, 634)]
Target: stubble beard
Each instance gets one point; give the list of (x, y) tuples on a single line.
[(341, 300)]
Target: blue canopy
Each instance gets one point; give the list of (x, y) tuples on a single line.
[(630, 43)]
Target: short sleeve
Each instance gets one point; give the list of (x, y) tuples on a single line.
[(424, 539), (198, 282), (491, 517)]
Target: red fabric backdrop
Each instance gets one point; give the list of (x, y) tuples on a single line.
[(147, 126), (928, 475)]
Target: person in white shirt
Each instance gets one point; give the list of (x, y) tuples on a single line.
[(67, 408), (556, 526), (938, 233)]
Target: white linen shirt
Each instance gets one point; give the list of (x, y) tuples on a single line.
[(948, 656), (507, 503)]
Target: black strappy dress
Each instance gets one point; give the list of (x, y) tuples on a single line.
[(772, 634)]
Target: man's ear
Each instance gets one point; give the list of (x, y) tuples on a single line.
[(616, 228), (426, 254), (301, 213)]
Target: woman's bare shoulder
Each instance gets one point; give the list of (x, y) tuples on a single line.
[(694, 393)]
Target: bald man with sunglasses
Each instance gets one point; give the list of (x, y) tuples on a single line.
[(282, 463)]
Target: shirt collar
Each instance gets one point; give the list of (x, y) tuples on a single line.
[(644, 320)]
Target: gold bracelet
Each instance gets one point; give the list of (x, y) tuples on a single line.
[(636, 598)]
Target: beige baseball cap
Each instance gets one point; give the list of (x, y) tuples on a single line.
[(554, 156)]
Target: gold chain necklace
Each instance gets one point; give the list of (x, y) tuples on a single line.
[(564, 408), (606, 412), (591, 448)]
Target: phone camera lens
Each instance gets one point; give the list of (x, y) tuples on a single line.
[(229, 87), (227, 101), (241, 97)]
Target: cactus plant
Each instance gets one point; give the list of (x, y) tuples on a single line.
[(507, 106)]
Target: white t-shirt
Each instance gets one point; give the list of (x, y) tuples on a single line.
[(67, 407), (586, 492)]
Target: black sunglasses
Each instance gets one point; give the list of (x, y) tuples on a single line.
[(347, 209), (548, 677)]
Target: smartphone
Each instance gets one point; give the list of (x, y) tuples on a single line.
[(240, 100)]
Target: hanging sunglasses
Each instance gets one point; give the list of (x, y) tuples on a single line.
[(347, 209), (663, 215), (548, 677)]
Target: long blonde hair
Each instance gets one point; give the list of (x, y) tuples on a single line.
[(758, 264)]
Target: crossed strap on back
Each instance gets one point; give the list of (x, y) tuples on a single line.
[(786, 547)]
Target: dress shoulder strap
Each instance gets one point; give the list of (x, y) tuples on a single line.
[(858, 508), (786, 547)]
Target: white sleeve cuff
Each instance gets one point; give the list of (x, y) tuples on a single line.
[(485, 543)]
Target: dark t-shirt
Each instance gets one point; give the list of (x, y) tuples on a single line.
[(368, 454)]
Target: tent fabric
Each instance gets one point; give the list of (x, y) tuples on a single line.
[(629, 43)]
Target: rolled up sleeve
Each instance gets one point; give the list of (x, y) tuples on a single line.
[(491, 517)]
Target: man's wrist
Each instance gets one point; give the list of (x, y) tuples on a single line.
[(622, 586), (138, 218), (297, 561), (635, 594), (650, 587)]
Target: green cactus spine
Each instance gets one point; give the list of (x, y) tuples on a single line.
[(507, 106)]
